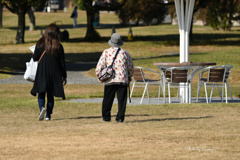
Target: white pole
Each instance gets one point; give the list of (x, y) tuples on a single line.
[(184, 23), (191, 7), (182, 46), (186, 12), (186, 58), (189, 20), (177, 5), (182, 34), (190, 14), (182, 39)]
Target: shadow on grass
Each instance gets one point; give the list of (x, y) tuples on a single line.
[(199, 39), (166, 55), (173, 40), (136, 121), (169, 39), (14, 61), (170, 119), (97, 117), (70, 26), (43, 27)]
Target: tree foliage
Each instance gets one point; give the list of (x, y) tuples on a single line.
[(199, 4), (14, 5), (221, 13), (20, 8), (1, 12), (92, 34), (80, 4), (146, 10)]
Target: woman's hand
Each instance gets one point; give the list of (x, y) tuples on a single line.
[(64, 81)]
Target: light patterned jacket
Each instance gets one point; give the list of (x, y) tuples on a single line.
[(123, 65)]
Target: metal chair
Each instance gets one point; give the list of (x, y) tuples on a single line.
[(140, 80), (215, 76), (176, 77)]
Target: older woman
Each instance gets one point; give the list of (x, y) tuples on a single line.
[(124, 69)]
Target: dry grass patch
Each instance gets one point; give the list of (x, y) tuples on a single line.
[(197, 131), (176, 131)]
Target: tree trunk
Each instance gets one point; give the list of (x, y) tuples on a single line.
[(219, 17), (229, 25), (21, 26), (1, 13), (230, 12), (91, 34), (32, 19), (137, 22), (90, 28)]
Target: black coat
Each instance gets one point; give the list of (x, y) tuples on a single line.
[(50, 72)]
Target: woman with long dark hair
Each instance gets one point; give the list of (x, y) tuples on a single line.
[(51, 72)]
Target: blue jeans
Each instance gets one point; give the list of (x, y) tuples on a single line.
[(50, 103)]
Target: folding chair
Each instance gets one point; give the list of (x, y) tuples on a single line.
[(217, 76), (140, 80)]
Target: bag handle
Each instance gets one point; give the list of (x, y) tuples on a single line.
[(115, 57), (129, 93), (41, 56)]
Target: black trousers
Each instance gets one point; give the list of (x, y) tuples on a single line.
[(109, 94)]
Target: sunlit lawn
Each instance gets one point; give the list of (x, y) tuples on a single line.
[(76, 131), (149, 41), (175, 131)]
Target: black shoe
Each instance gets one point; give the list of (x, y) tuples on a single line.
[(120, 121), (48, 117), (106, 120)]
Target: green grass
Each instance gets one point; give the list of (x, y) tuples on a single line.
[(174, 131), (149, 41)]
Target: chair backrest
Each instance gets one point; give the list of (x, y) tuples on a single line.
[(227, 71), (219, 73), (167, 73), (216, 75), (176, 74), (179, 75), (137, 75)]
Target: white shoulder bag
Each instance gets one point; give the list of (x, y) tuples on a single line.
[(31, 70)]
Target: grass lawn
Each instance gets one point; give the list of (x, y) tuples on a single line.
[(76, 131)]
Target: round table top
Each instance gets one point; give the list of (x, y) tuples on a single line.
[(178, 64)]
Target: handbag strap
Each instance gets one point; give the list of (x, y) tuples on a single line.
[(115, 56), (41, 56), (129, 93)]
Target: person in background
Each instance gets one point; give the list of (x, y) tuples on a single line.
[(51, 72), (74, 16), (124, 69)]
